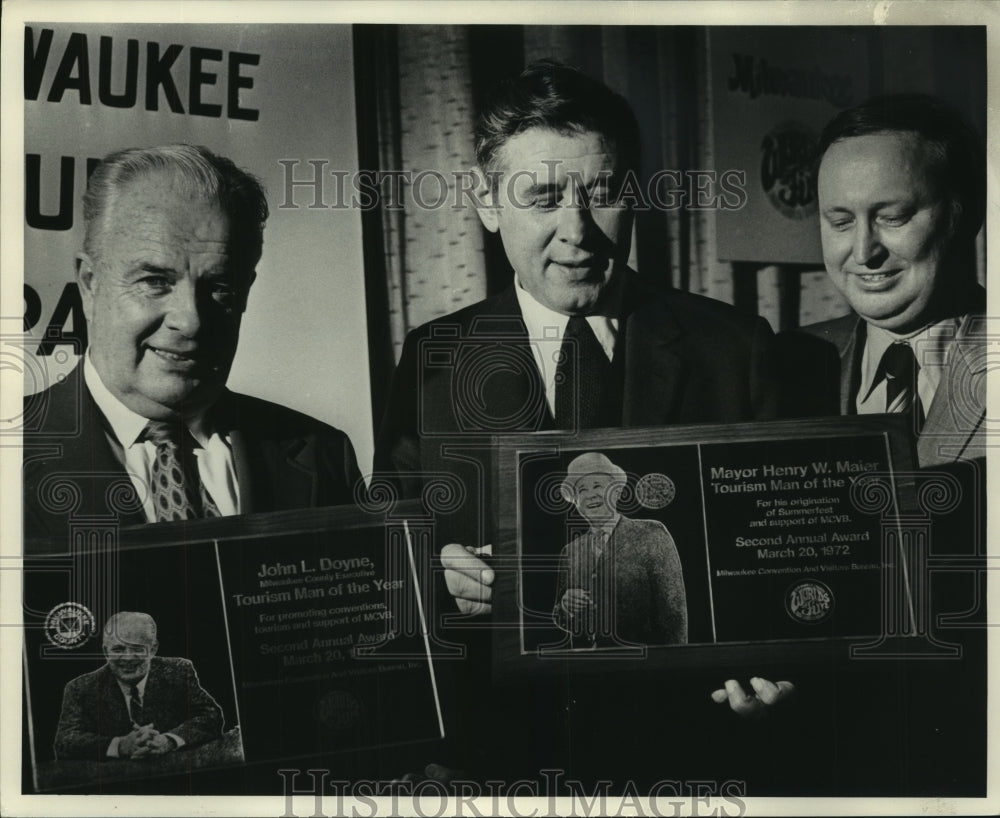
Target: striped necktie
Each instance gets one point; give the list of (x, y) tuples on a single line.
[(900, 368)]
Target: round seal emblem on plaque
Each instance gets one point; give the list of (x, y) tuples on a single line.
[(68, 625), (655, 490), (809, 601), (787, 175), (338, 710)]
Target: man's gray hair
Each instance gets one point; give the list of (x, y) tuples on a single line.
[(212, 177), (112, 626)]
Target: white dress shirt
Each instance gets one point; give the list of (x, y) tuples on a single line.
[(930, 346), (545, 332), (214, 453)]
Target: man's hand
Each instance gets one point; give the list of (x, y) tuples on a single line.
[(134, 745), (468, 578), (766, 694), (434, 772), (575, 601), (160, 744)]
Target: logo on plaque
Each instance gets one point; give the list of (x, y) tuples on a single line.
[(809, 601), (68, 625), (655, 490), (338, 710)]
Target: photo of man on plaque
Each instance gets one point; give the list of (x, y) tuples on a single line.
[(140, 716), (139, 705), (620, 580)]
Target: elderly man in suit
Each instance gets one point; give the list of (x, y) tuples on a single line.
[(173, 237), (621, 579), (138, 705), (902, 191)]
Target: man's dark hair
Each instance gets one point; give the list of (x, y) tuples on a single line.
[(957, 149), (208, 175), (548, 94)]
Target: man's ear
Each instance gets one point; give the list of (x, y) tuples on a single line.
[(246, 292), (153, 648), (486, 201), (614, 495), (566, 494), (85, 283)]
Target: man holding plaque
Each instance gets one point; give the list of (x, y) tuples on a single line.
[(578, 340), (144, 429), (620, 581), (139, 705), (902, 192)]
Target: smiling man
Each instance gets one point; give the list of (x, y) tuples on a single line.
[(901, 189), (137, 705), (577, 340), (619, 581), (173, 237)]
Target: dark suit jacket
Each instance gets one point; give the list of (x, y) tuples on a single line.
[(94, 709), (823, 363), (284, 460), (683, 358), (686, 359)]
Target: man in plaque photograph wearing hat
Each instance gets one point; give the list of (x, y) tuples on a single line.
[(620, 580)]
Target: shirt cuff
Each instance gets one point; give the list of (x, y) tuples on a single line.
[(113, 747), (177, 739)]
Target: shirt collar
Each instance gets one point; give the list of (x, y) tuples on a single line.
[(125, 424), (928, 344), (543, 323)]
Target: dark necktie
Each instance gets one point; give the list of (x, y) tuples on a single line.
[(588, 394), (900, 367), (135, 707), (176, 488)]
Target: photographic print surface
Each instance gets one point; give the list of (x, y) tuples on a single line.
[(730, 577)]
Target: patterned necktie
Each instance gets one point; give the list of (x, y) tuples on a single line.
[(900, 367), (586, 396), (176, 488), (135, 707)]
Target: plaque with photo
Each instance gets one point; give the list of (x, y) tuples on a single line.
[(694, 546), (212, 652)]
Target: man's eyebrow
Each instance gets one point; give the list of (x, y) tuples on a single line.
[(147, 267), (537, 188), (901, 201)]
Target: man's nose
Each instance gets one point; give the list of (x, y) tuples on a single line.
[(867, 249), (574, 219), (184, 314)]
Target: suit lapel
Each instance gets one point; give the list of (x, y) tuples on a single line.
[(272, 469), (514, 388), (88, 454), (849, 347), (955, 420), (653, 370), (114, 715)]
